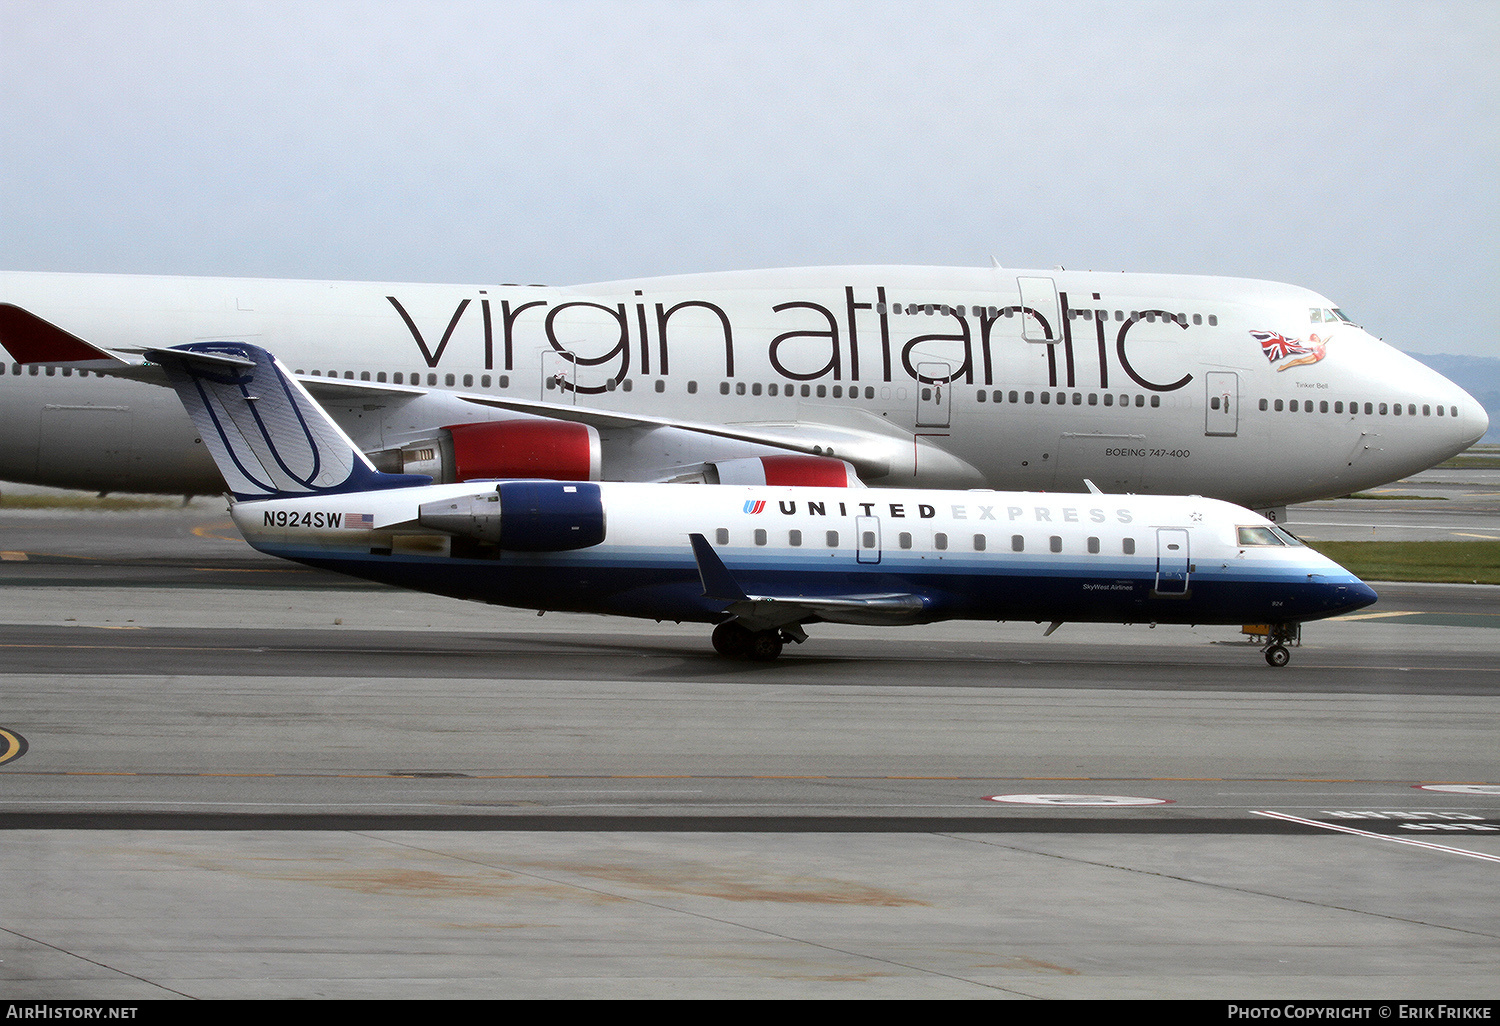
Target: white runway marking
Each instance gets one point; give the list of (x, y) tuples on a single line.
[(1379, 837)]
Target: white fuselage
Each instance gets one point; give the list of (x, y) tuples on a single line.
[(950, 377), (949, 554)]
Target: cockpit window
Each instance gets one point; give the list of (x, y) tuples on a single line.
[(1323, 315), (1259, 536), (1286, 536)]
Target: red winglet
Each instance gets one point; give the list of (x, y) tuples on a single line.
[(33, 340)]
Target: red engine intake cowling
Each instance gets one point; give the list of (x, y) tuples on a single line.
[(554, 449), (809, 471)]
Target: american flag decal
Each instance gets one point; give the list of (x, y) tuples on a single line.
[(360, 521)]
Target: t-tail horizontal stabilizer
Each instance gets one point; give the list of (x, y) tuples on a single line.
[(270, 439)]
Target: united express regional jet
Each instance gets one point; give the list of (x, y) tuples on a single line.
[(758, 561), (1254, 392)]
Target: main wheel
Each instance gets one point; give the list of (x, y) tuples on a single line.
[(1277, 655), (764, 646), (732, 640)]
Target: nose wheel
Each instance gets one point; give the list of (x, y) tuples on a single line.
[(1281, 636)]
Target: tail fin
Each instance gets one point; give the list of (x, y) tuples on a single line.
[(269, 438)]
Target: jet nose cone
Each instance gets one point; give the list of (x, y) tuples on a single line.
[(1359, 595), (1475, 419)]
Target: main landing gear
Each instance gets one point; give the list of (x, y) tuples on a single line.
[(737, 641)]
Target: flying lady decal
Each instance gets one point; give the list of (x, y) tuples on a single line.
[(1293, 351)]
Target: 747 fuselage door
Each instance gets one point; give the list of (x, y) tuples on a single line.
[(1221, 407), (559, 377), (934, 394)]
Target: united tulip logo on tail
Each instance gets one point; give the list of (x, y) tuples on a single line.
[(1279, 347)]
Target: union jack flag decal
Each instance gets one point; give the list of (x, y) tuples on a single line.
[(1279, 347), (754, 505)]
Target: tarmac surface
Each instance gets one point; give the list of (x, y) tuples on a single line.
[(225, 776)]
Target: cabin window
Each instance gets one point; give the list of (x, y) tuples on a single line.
[(1127, 546), (1030, 397), (721, 536), (1382, 409), (1156, 400), (760, 536), (833, 539), (1017, 543), (1055, 543), (1323, 406), (794, 539), (980, 395), (979, 543), (940, 541), (904, 539), (1264, 405), (739, 388), (1094, 546), (661, 386), (1013, 397)]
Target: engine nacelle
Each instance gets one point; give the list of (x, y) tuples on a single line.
[(807, 471), (553, 449), (523, 516)]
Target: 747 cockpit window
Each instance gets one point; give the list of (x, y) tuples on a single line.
[(1266, 534), (1325, 316)]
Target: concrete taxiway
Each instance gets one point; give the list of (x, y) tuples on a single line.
[(222, 776)]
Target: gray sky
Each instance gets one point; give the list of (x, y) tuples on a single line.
[(1348, 147)]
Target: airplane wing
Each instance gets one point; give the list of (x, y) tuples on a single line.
[(874, 449), (760, 612)]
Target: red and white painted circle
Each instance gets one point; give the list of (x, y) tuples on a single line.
[(1076, 799), (1461, 788)]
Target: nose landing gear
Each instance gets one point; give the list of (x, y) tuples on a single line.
[(1281, 635)]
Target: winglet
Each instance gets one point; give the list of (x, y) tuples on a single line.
[(718, 582), (269, 437), (30, 339)]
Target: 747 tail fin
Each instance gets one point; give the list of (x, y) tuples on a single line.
[(270, 439)]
